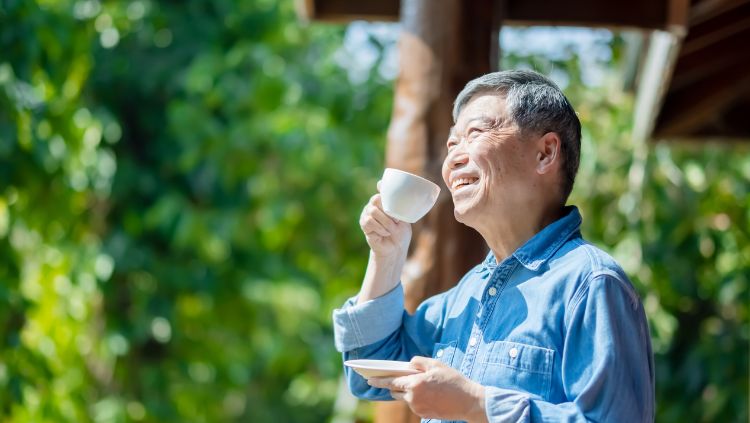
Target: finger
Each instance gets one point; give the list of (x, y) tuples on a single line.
[(377, 201), (378, 185), (389, 223), (374, 210), (373, 239), (373, 236), (371, 225), (402, 383), (424, 363), (398, 395), (381, 382)]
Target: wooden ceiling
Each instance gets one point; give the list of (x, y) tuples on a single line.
[(702, 93), (709, 92), (634, 13)]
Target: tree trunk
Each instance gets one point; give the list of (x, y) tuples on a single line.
[(443, 45)]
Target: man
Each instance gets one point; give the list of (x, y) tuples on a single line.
[(548, 327)]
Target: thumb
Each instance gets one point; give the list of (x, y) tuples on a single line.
[(424, 363)]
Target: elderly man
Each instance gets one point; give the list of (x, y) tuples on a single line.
[(548, 327)]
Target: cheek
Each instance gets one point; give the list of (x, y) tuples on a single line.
[(445, 171), (487, 163)]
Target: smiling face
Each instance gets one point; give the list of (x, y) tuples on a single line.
[(489, 169)]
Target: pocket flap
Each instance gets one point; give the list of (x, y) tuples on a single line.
[(522, 356)]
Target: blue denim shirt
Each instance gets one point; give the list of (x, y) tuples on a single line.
[(555, 332)]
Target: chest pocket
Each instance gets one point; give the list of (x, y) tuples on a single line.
[(519, 366)]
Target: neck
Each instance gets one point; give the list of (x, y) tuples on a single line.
[(506, 233)]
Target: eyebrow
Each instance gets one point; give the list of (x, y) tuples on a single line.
[(490, 121)]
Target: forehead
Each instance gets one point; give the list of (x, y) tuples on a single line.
[(484, 106), (488, 108)]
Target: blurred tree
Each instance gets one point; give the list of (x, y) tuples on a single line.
[(179, 193)]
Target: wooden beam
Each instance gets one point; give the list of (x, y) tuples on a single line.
[(592, 13), (678, 14), (689, 109), (637, 13), (707, 38), (343, 11), (695, 64), (708, 9), (498, 11), (655, 76), (734, 122)]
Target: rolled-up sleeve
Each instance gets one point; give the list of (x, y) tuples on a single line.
[(358, 325), (381, 329), (607, 363)]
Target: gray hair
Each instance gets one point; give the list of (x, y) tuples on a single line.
[(537, 106)]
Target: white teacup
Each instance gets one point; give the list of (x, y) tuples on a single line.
[(405, 196)]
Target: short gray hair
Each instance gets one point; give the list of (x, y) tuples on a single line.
[(537, 106)]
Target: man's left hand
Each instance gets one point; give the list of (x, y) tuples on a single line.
[(439, 392)]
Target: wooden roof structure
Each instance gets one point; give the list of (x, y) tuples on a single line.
[(708, 95), (698, 89)]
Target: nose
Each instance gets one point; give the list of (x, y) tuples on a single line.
[(456, 158)]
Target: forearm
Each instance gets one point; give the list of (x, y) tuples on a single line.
[(382, 275), (477, 412)]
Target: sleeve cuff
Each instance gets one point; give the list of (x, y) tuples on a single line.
[(505, 405), (358, 325)]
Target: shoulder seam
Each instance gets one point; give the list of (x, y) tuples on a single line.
[(584, 286), (575, 302), (597, 271)]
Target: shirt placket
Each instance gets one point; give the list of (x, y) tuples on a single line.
[(490, 297)]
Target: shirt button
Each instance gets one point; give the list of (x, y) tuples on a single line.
[(472, 341), (439, 353), (493, 291), (513, 353)]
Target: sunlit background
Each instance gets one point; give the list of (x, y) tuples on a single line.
[(179, 190)]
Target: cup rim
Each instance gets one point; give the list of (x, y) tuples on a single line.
[(412, 174)]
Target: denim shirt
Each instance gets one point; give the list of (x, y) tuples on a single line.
[(555, 332)]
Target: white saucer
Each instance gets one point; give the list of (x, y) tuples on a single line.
[(381, 368)]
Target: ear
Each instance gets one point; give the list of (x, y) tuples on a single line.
[(548, 153)]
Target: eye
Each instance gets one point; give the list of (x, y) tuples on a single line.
[(452, 142)]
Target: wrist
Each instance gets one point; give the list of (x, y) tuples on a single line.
[(382, 275), (392, 260), (477, 412)]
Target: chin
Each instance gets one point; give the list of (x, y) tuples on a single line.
[(467, 212), (458, 216), (461, 215)]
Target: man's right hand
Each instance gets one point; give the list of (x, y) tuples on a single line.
[(387, 237), (389, 243)]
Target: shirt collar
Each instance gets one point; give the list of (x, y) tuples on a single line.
[(536, 251)]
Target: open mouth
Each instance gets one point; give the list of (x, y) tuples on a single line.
[(459, 183)]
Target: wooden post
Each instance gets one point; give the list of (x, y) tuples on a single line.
[(443, 45)]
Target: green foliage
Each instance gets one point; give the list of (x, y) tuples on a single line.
[(179, 193)]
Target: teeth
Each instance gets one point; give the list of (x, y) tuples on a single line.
[(461, 181)]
